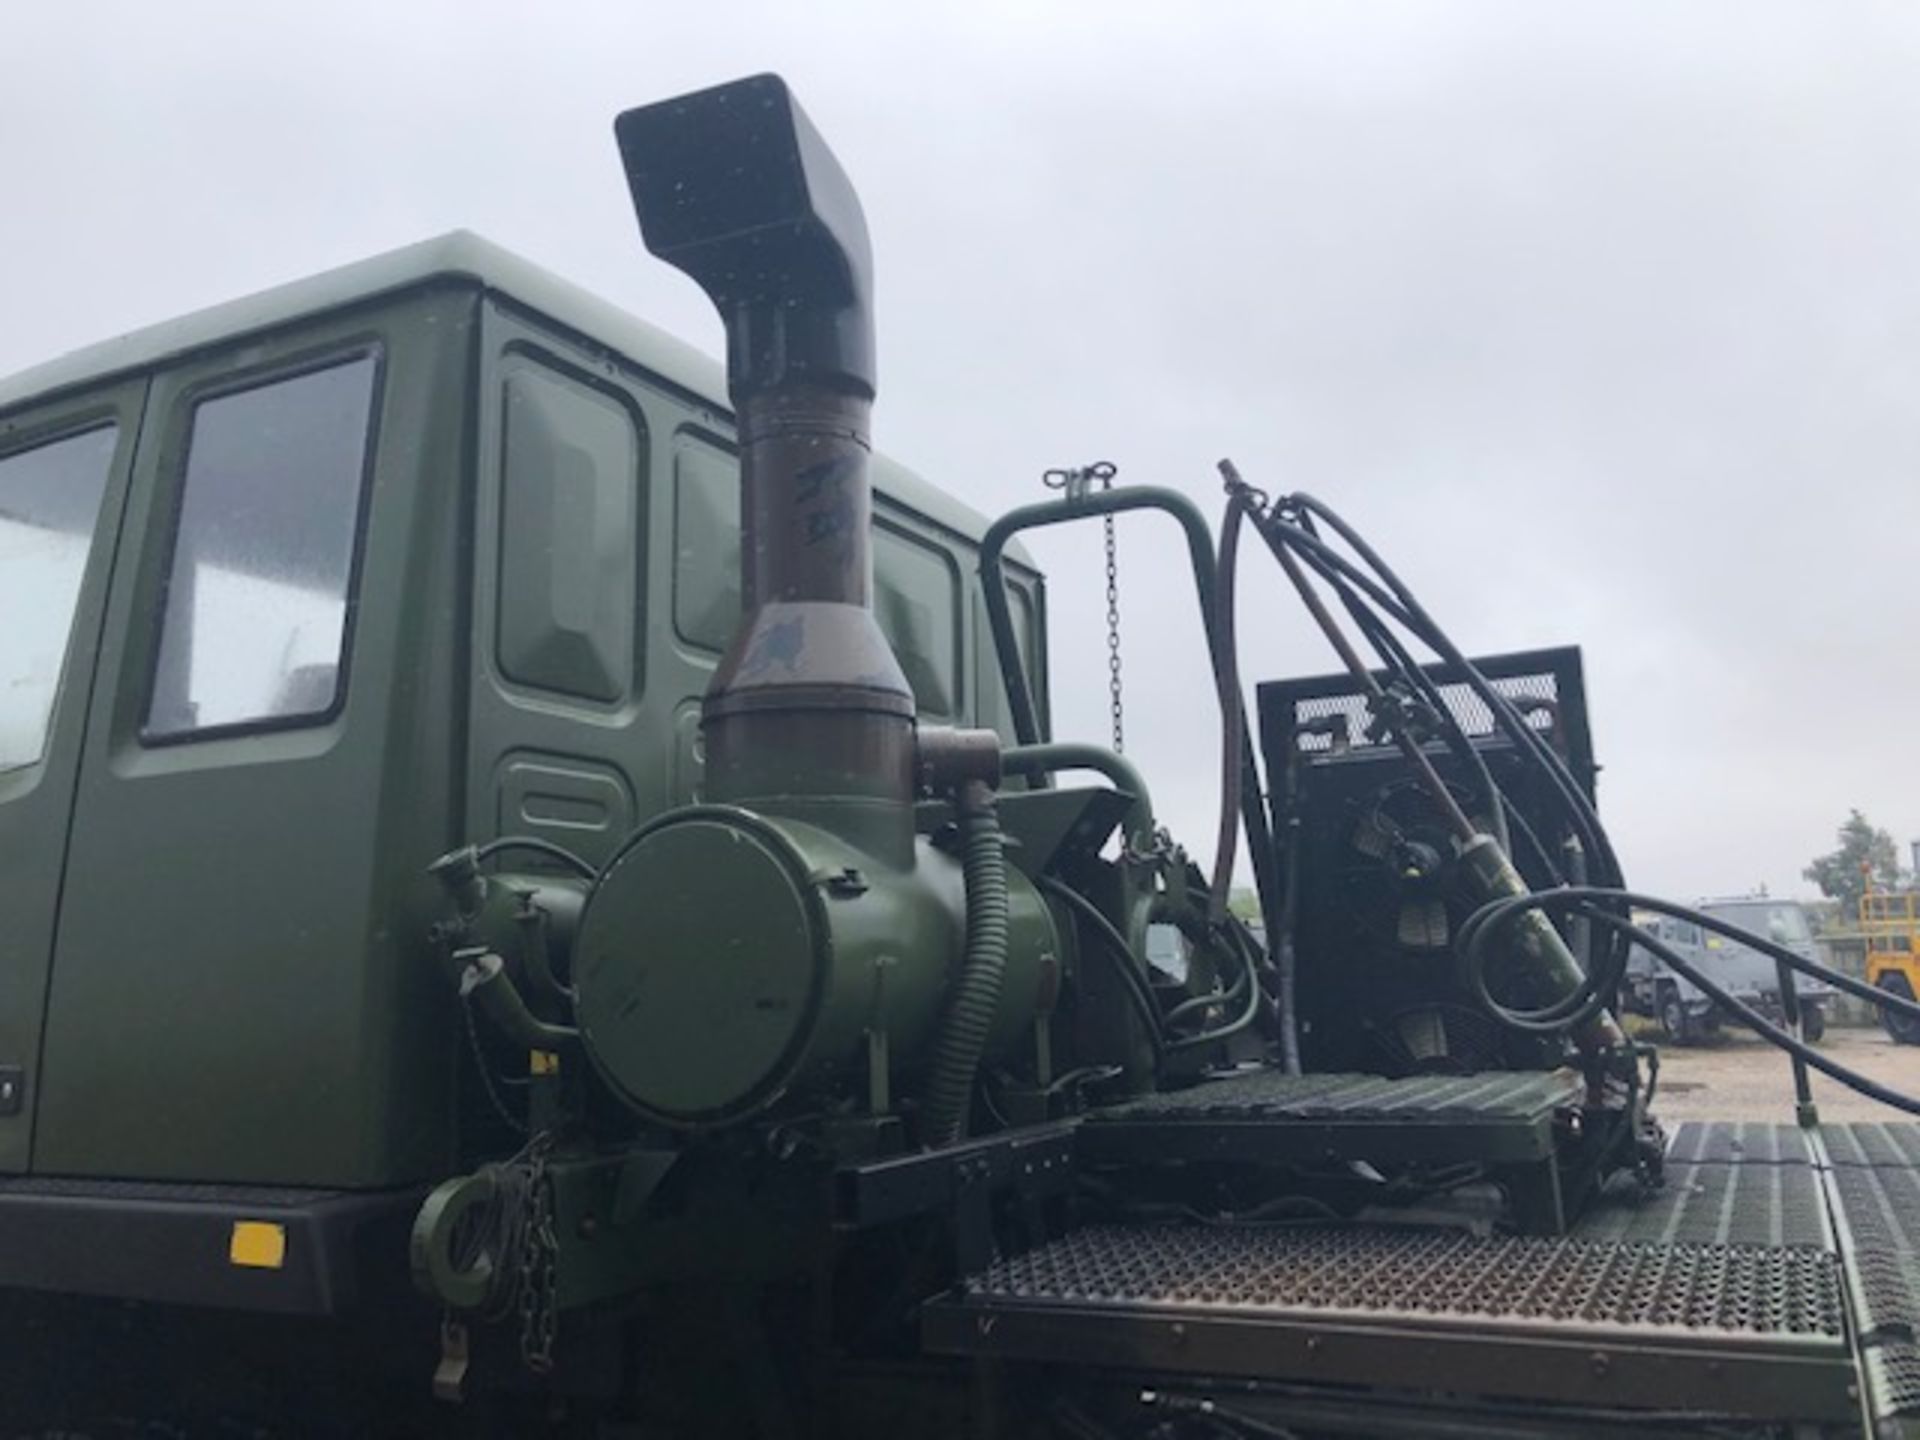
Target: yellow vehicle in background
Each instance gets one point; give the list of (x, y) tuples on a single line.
[(1890, 921)]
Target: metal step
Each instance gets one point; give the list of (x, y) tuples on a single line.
[(1268, 1115), (1871, 1172), (1738, 1330), (1505, 1120)]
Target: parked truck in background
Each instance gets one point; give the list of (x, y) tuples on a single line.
[(1684, 1010), (1890, 924)]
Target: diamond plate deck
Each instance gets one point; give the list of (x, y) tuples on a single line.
[(1745, 1330)]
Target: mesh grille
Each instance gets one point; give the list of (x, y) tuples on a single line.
[(1752, 1204), (1437, 1276), (1724, 1143), (1873, 1143), (1444, 1099), (1471, 713)]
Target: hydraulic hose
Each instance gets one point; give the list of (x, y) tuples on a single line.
[(1233, 715), (1601, 905), (1519, 731), (1250, 1006), (1289, 525), (534, 845), (963, 1030), (1117, 950)]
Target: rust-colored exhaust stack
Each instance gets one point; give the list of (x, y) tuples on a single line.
[(734, 186)]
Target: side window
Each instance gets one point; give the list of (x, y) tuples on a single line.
[(570, 535), (49, 503), (916, 599), (706, 542), (255, 621)]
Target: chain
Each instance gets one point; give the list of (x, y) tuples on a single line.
[(1113, 644), (485, 1070), (539, 1312), (1076, 483)]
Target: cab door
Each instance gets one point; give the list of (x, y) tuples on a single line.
[(63, 485)]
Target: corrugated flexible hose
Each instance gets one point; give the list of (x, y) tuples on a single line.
[(969, 1018)]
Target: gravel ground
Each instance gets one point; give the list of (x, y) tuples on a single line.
[(1736, 1077)]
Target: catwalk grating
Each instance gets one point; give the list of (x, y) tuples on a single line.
[(1435, 1099), (1873, 1143), (1879, 1221), (1733, 1327), (1756, 1203), (1267, 1115), (1729, 1143), (1893, 1374)]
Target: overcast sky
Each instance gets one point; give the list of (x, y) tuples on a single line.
[(1603, 320)]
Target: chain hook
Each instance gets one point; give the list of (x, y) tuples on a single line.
[(1077, 481)]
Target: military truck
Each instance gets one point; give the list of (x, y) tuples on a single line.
[(1684, 1010), (542, 899)]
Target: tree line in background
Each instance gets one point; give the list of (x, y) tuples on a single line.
[(1864, 852)]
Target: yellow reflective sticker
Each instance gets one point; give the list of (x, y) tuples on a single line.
[(258, 1244), (542, 1062)]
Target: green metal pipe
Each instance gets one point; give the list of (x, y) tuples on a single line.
[(484, 974), (1066, 755)]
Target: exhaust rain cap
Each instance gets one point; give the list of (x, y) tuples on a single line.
[(734, 186)]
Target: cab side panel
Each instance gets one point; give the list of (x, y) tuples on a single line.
[(239, 991), (63, 482)]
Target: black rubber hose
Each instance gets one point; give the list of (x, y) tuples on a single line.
[(1599, 904), (1522, 734), (1398, 602), (1575, 897), (1405, 609), (534, 845), (1233, 715), (1396, 659), (1199, 930), (969, 1018), (1121, 954), (1248, 1010)]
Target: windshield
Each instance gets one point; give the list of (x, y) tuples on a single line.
[(1781, 921)]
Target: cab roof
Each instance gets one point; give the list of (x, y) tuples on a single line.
[(458, 256)]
